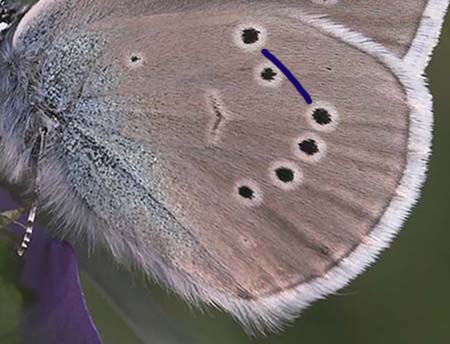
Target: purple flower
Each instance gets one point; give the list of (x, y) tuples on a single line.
[(58, 311)]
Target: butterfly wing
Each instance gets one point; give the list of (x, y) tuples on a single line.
[(409, 30), (394, 24), (204, 163)]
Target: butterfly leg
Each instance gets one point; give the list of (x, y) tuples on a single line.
[(33, 210)]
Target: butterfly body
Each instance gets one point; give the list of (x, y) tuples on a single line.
[(175, 142)]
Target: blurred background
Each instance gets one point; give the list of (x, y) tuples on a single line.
[(404, 298)]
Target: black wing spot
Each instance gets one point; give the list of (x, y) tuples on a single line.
[(246, 192), (135, 58), (268, 74), (309, 147), (250, 36), (284, 174), (322, 116)]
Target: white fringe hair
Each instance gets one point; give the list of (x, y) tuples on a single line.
[(270, 313)]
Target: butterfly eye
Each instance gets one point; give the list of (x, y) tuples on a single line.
[(286, 175), (322, 117), (249, 193), (309, 147)]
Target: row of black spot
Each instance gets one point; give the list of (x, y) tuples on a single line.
[(251, 36), (308, 146)]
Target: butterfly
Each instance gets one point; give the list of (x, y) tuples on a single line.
[(252, 155)]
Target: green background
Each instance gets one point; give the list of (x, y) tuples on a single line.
[(404, 298)]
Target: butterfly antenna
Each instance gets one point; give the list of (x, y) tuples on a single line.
[(33, 210)]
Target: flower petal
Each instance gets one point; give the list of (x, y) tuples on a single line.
[(58, 312)]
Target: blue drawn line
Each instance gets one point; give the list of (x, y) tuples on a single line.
[(288, 74)]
